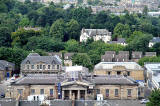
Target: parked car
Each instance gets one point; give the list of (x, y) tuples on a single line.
[(2, 95), (144, 101)]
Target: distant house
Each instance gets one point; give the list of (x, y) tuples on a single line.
[(34, 63), (109, 56), (136, 56), (55, 53), (68, 59), (96, 34), (154, 41), (6, 69), (150, 54), (123, 56), (120, 41)]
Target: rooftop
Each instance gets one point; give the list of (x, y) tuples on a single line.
[(110, 65), (4, 64), (155, 39), (114, 80)]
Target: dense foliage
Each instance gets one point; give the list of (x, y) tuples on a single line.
[(60, 30), (154, 99)]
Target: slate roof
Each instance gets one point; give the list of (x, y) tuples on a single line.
[(120, 40), (55, 53), (4, 64), (114, 80), (110, 52), (37, 79), (136, 55), (150, 54), (155, 39), (68, 55), (94, 32), (123, 53), (34, 58)]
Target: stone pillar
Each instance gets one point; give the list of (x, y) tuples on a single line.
[(62, 94), (85, 94), (78, 95), (70, 94)]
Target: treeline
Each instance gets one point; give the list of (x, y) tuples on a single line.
[(60, 31)]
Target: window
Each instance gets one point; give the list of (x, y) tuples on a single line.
[(118, 72), (107, 92), (41, 91), (48, 66), (32, 66), (129, 92), (51, 92), (44, 67), (109, 73), (53, 66), (98, 91), (57, 66), (128, 73), (32, 91), (40, 66), (37, 66), (20, 91), (27, 66), (116, 92)]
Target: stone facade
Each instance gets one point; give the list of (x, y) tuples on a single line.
[(34, 63), (96, 34), (131, 69), (6, 68)]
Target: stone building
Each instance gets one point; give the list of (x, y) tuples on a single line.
[(37, 84), (136, 56), (68, 59), (116, 87), (131, 69), (120, 41), (56, 53), (96, 34), (150, 54), (34, 63), (109, 56), (6, 69)]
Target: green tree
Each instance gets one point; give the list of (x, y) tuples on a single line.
[(154, 99), (73, 29), (148, 59), (57, 29), (121, 30), (5, 36), (145, 10), (156, 48), (72, 46), (82, 59), (24, 22)]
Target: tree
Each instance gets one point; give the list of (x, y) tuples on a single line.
[(21, 36), (148, 59), (57, 29), (73, 29), (154, 99), (139, 43), (72, 46), (145, 10), (15, 55), (24, 22), (121, 30), (5, 36), (156, 48), (82, 59)]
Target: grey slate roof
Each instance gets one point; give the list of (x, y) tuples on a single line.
[(34, 58), (37, 79), (150, 54), (4, 64), (120, 40), (114, 80), (110, 52), (136, 55), (68, 56), (94, 32), (55, 53), (155, 40)]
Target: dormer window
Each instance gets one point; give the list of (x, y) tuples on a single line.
[(32, 67), (41, 66), (53, 66), (48, 66), (57, 66), (44, 66), (37, 66), (28, 67)]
